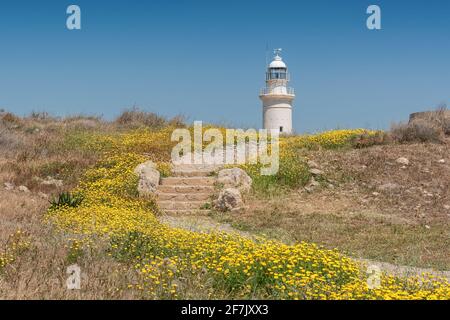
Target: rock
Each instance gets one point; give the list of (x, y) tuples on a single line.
[(8, 186), (315, 172), (402, 160), (148, 178), (52, 182), (235, 178), (442, 161), (375, 194), (389, 187), (230, 199), (446, 207), (24, 189), (313, 164)]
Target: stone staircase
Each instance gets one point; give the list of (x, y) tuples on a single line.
[(188, 189)]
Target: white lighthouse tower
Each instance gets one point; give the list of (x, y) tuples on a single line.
[(277, 97)]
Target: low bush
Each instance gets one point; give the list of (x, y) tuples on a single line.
[(66, 199), (136, 118), (431, 126), (416, 131)]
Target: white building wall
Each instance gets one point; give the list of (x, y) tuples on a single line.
[(277, 113)]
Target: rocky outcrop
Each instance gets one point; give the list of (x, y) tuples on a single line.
[(235, 178), (149, 178), (230, 199)]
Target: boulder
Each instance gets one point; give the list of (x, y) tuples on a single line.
[(235, 178), (148, 178), (230, 199)]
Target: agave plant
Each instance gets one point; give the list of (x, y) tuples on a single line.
[(66, 199)]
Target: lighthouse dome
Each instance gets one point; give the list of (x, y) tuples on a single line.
[(277, 63)]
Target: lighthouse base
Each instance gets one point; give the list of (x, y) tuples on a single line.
[(278, 116)]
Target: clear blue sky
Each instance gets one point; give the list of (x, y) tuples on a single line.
[(206, 59)]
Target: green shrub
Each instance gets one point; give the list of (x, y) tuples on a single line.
[(66, 199), (293, 173)]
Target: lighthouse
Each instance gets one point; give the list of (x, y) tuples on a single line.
[(277, 97)]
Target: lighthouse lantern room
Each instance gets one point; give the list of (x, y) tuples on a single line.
[(277, 97)]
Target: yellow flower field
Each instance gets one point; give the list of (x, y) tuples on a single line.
[(237, 266)]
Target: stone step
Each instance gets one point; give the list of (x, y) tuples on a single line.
[(164, 196), (184, 189), (196, 167), (188, 181), (191, 173), (180, 205), (196, 212)]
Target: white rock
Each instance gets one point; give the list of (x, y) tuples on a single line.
[(235, 178), (148, 178), (441, 161), (402, 160), (24, 189), (230, 199), (446, 207), (8, 186), (375, 194)]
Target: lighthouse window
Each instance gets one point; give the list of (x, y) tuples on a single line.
[(277, 75), (281, 129)]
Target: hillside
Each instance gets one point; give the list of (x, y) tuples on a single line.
[(364, 203)]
